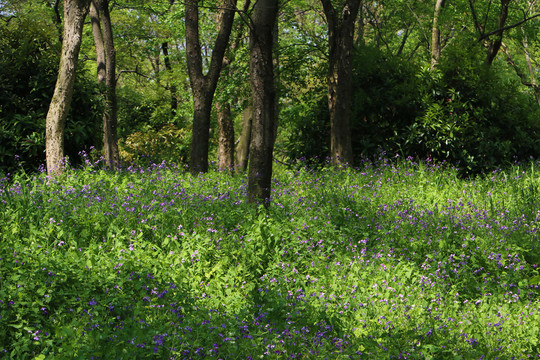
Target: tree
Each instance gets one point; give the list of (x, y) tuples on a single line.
[(341, 40), (167, 60), (226, 158), (106, 73), (492, 44), (493, 40), (74, 13), (261, 68), (204, 86), (436, 34)]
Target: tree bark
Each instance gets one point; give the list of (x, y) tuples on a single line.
[(529, 81), (341, 42), (98, 42), (261, 69), (226, 160), (167, 60), (204, 86), (106, 74), (110, 115), (436, 34), (74, 13), (226, 137), (242, 149), (534, 84), (492, 45)]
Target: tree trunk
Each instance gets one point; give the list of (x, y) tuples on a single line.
[(168, 67), (98, 42), (204, 86), (106, 74), (341, 40), (264, 101), (436, 34), (110, 115), (223, 107), (74, 13), (167, 60), (226, 137), (493, 46), (242, 149), (202, 107)]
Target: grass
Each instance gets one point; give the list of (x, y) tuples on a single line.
[(392, 260)]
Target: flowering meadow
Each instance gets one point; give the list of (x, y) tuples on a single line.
[(390, 260)]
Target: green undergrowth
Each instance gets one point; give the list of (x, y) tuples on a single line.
[(389, 260)]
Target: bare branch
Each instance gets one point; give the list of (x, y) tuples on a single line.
[(508, 27)]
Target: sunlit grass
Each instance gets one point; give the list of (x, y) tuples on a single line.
[(389, 260)]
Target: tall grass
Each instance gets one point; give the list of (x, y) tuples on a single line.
[(390, 260)]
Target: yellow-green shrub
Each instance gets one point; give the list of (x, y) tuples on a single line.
[(169, 143)]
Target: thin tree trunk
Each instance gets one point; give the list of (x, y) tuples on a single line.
[(341, 40), (242, 149), (204, 86), (106, 74), (226, 137), (57, 19), (98, 42), (110, 116), (168, 67), (167, 60), (264, 101), (436, 34), (226, 151), (74, 13)]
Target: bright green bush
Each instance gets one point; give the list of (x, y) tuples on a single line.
[(169, 143)]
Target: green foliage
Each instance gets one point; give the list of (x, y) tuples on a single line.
[(28, 64), (474, 117), (308, 133), (462, 112), (169, 143), (389, 260), (386, 101)]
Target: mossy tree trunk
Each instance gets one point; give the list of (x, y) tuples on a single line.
[(75, 12)]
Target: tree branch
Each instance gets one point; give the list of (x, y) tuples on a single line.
[(508, 27)]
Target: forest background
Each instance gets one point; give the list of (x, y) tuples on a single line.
[(453, 81)]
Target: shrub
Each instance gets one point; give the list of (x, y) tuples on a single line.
[(153, 146), (474, 117), (28, 66)]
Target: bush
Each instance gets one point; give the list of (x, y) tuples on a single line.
[(463, 113), (309, 138), (474, 117), (153, 146), (29, 58), (386, 101)]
